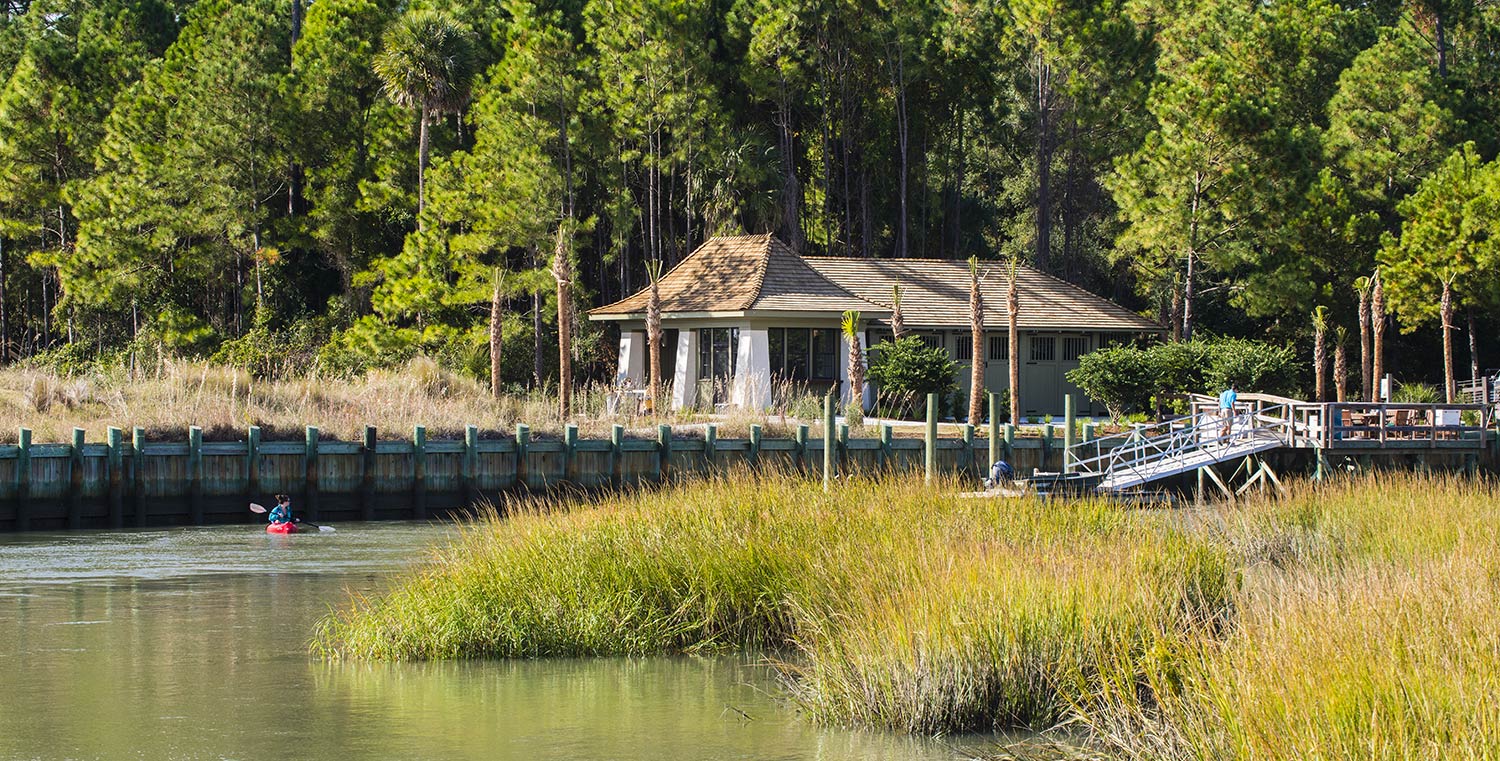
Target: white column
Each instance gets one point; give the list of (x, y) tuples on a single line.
[(632, 368), (685, 378), (752, 370)]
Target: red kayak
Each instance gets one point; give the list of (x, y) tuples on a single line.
[(281, 528)]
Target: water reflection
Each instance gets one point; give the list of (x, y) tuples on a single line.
[(191, 644)]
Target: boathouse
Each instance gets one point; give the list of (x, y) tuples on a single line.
[(744, 319)]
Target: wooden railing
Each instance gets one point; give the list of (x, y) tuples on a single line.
[(1361, 424)]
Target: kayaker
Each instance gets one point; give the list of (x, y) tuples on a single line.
[(282, 512)]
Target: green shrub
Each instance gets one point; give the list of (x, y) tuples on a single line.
[(1122, 377), (1127, 378), (1416, 393), (908, 370)]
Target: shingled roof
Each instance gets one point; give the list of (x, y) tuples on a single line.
[(758, 272), (935, 294), (742, 274)]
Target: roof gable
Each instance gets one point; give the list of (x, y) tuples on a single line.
[(742, 273)]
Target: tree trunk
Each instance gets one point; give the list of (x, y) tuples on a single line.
[(538, 349), (976, 347), (1366, 385), (1013, 310), (1377, 337), (422, 148), (791, 187), (1340, 367), (856, 371), (1320, 363), (1043, 163), (562, 272), (496, 335), (1473, 337), (1445, 309), (653, 334), (1189, 287), (5, 328), (1174, 311), (902, 134), (898, 325)]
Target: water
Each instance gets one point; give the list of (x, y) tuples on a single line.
[(191, 644)]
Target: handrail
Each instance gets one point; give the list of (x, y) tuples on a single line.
[(1138, 452)]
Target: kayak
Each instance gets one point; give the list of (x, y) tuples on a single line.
[(281, 528)]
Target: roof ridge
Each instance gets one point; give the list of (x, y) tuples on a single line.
[(763, 264), (802, 261), (679, 265)]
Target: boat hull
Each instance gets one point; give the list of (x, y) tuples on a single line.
[(281, 528)]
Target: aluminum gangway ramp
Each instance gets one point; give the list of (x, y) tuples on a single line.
[(1185, 444)]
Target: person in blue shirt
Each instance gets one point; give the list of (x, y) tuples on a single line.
[(1227, 398), (1000, 472), (282, 512)]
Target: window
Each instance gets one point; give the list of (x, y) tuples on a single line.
[(1043, 348), (999, 347), (933, 340), (717, 348), (825, 345), (1073, 348), (963, 347), (800, 354)]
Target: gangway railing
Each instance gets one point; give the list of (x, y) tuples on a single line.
[(1151, 452)]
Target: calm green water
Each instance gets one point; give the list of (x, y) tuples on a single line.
[(191, 644)]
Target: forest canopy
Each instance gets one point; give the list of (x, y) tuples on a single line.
[(353, 182)]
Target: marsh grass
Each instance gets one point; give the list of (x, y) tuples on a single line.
[(1369, 630), (884, 603)]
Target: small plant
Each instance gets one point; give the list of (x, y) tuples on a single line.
[(1416, 393), (908, 369)]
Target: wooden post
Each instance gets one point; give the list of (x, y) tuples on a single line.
[(663, 452), (116, 440), (968, 460), (1046, 444), (828, 442), (711, 447), (801, 439), (845, 463), (470, 465), (75, 481), (616, 455), (523, 464), (137, 471), (1009, 446), (886, 434), (367, 475), (929, 450), (1068, 440), (570, 446), (23, 480), (252, 462), (310, 473), (195, 474), (994, 438), (754, 445), (419, 472)]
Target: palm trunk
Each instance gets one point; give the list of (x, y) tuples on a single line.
[(1366, 385), (1013, 310), (1445, 309), (1377, 337), (856, 370), (562, 272), (1320, 362), (422, 149), (898, 325), (496, 325), (976, 350), (653, 335), (1340, 367)]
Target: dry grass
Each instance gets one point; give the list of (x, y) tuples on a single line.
[(224, 401)]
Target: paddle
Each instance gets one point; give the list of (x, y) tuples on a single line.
[(254, 508)]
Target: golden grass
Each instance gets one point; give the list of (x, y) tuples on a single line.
[(888, 603)]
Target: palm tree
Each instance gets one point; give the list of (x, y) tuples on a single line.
[(496, 305), (976, 345), (856, 409), (1377, 336), (562, 272), (1320, 354), (1013, 312), (653, 331), (1340, 362), (1366, 387), (427, 63), (897, 325), (1445, 311)]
